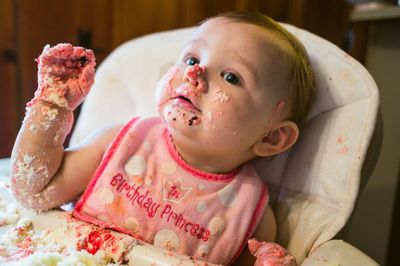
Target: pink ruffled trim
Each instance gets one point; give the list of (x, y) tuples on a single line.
[(196, 172)]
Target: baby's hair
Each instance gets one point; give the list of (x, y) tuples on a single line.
[(302, 88)]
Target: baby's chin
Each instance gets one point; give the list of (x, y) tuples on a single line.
[(184, 126), (179, 119)]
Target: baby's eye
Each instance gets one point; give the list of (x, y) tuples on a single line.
[(191, 61), (231, 78)]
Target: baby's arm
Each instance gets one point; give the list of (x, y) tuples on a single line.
[(43, 175)]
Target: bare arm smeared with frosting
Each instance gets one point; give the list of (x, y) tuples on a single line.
[(43, 174)]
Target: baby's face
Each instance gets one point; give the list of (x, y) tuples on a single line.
[(223, 91)]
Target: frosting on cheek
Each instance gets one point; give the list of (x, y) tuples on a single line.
[(164, 87), (221, 96), (209, 117), (174, 112)]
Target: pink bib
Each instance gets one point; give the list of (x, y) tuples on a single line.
[(144, 188)]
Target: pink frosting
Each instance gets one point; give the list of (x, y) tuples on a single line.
[(270, 254), (65, 75)]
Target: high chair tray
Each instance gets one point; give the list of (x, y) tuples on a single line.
[(51, 237)]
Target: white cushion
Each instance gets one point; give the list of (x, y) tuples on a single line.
[(338, 252), (314, 185)]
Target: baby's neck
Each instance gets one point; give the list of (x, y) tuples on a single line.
[(204, 160), (206, 163)]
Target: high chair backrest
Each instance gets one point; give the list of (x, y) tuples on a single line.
[(314, 185)]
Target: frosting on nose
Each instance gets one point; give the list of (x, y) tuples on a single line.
[(192, 72)]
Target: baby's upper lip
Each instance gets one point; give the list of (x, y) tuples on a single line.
[(189, 99)]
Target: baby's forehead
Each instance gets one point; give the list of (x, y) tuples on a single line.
[(268, 38)]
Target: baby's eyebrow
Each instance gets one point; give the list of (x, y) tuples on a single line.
[(196, 42), (242, 60)]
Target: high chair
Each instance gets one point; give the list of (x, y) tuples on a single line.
[(314, 186)]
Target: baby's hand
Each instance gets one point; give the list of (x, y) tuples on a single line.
[(270, 254), (65, 75)]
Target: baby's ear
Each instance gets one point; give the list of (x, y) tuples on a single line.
[(281, 137)]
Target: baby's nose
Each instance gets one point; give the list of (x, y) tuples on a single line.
[(192, 74)]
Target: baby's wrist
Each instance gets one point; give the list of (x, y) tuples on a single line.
[(43, 103), (51, 94), (64, 94)]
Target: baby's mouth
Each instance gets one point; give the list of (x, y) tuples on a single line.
[(186, 103)]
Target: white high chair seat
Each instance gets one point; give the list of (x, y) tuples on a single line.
[(313, 186)]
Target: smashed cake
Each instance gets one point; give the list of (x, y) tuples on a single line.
[(57, 238)]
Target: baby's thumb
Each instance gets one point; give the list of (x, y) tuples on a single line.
[(86, 78)]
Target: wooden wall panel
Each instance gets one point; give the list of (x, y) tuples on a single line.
[(329, 19), (276, 9), (8, 86), (131, 19), (134, 18), (197, 10), (42, 22)]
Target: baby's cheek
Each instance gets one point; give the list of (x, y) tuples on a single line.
[(158, 98), (165, 83), (165, 89), (214, 122), (226, 123)]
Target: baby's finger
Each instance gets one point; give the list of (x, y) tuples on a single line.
[(86, 78), (46, 49), (89, 57), (57, 54), (78, 52), (77, 58), (271, 249)]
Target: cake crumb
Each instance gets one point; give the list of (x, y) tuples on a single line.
[(221, 96)]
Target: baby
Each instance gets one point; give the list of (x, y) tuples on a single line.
[(240, 89)]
